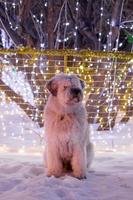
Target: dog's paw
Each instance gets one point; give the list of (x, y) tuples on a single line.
[(82, 177), (56, 174), (79, 175)]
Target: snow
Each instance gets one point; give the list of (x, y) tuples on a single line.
[(23, 177)]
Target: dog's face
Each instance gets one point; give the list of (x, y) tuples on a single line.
[(67, 88)]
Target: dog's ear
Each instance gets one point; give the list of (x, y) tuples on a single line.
[(51, 85), (82, 83)]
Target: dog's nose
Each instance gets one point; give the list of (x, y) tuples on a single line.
[(75, 91)]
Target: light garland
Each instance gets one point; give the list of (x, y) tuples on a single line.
[(97, 73), (70, 52)]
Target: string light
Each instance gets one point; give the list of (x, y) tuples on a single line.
[(100, 26), (76, 26), (15, 6)]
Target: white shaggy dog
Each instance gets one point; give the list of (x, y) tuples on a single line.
[(67, 132)]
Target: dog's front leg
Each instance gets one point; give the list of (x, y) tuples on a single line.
[(79, 162), (54, 164)]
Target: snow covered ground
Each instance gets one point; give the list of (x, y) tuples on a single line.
[(23, 178)]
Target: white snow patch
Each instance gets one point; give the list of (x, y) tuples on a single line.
[(23, 177)]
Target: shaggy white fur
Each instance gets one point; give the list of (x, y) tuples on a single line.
[(67, 131)]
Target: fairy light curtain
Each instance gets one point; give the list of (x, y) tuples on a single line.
[(108, 95)]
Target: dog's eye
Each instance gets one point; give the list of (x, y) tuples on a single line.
[(65, 87)]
